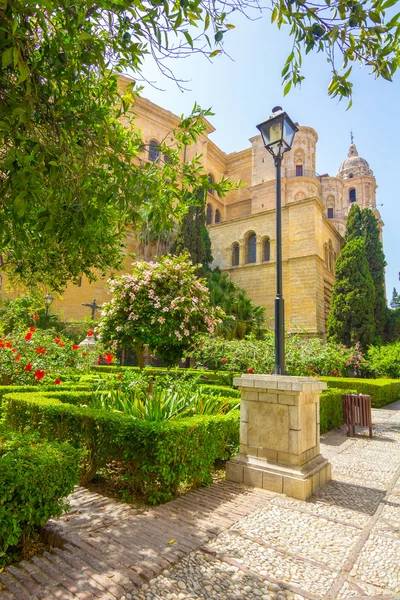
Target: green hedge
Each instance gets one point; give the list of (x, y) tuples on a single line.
[(159, 456), (331, 411), (223, 390), (382, 391), (211, 377), (75, 394), (34, 479)]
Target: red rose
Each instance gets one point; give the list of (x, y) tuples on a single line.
[(35, 316), (98, 361), (1, 344), (57, 340), (13, 350), (75, 347), (84, 353), (18, 357), (8, 345), (224, 360), (336, 372), (61, 344), (28, 367), (108, 358), (41, 350), (90, 333), (250, 370), (28, 337), (57, 381), (39, 374), (31, 329)]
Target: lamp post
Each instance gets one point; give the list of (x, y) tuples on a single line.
[(278, 133), (48, 299)]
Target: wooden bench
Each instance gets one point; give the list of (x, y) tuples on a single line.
[(357, 411)]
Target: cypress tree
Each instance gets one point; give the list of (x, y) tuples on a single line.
[(351, 318), (395, 301), (193, 235), (376, 261), (353, 224)]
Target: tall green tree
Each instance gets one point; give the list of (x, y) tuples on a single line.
[(354, 225), (376, 261), (192, 236), (395, 301), (351, 318)]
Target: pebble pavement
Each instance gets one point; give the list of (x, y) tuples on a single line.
[(227, 542)]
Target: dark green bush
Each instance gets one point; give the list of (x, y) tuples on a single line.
[(159, 456), (34, 478), (382, 391), (331, 411)]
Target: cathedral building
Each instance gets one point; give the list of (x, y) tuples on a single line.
[(242, 224)]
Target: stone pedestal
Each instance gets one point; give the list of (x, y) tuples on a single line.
[(279, 435)]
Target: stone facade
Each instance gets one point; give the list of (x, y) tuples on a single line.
[(242, 224)]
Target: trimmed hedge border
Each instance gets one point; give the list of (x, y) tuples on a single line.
[(158, 456), (331, 409), (208, 376), (382, 391), (34, 479)]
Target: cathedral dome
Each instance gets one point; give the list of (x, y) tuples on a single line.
[(354, 165)]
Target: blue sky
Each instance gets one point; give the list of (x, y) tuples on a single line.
[(241, 91)]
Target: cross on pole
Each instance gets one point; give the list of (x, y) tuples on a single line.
[(351, 137), (93, 306)]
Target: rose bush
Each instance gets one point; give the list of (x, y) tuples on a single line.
[(162, 304), (29, 356), (303, 356)]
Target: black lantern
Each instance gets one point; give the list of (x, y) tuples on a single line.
[(278, 134), (48, 299)]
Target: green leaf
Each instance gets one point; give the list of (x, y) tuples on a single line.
[(20, 205), (188, 38), (7, 57), (215, 53)]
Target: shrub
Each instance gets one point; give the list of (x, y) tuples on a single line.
[(162, 304), (34, 479), (207, 376), (385, 360), (303, 356), (36, 356), (158, 456), (331, 410), (382, 391)]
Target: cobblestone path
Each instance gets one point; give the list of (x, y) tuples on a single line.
[(226, 542)]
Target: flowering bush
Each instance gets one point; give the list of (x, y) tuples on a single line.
[(162, 304), (303, 356), (36, 355)]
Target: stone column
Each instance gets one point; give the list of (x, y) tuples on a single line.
[(279, 435)]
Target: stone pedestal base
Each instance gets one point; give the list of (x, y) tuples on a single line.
[(279, 435), (298, 482)]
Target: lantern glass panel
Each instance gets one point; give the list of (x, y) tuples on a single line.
[(288, 133)]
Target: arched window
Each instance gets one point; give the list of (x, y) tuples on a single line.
[(251, 248), (352, 195), (266, 250), (211, 180), (235, 255), (154, 151), (217, 218), (209, 214), (330, 213)]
